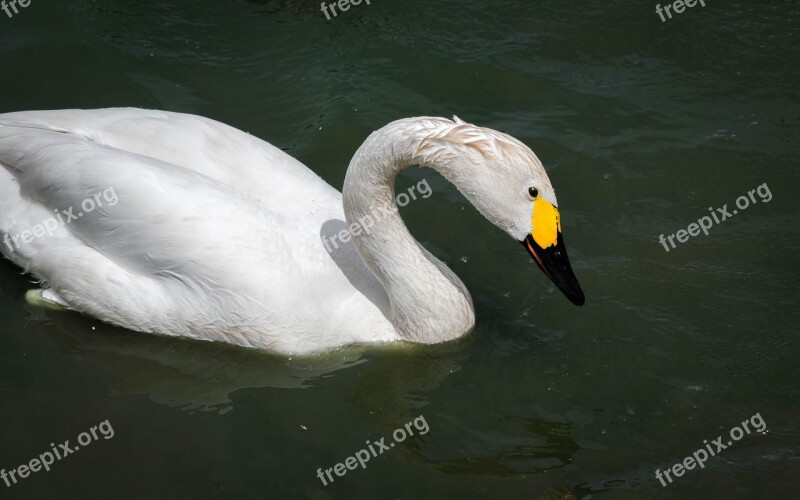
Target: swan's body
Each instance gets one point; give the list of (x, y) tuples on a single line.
[(218, 235)]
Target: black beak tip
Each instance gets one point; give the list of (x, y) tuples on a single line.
[(554, 262), (577, 298)]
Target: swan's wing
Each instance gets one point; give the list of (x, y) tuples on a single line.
[(213, 149), (139, 242), (139, 211)]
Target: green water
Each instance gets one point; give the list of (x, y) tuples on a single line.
[(642, 125)]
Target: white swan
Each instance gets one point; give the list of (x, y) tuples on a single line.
[(218, 235)]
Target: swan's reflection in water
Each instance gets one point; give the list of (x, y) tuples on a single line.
[(189, 374)]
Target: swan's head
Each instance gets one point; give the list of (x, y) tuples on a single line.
[(508, 184)]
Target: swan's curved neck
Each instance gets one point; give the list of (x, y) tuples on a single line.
[(428, 302)]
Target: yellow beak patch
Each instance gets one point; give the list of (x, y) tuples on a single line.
[(546, 223)]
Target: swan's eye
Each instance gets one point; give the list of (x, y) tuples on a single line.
[(533, 192)]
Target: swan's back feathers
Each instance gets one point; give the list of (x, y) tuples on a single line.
[(213, 149), (70, 175)]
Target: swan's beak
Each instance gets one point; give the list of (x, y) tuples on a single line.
[(546, 246)]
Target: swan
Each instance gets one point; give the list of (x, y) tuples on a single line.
[(175, 224)]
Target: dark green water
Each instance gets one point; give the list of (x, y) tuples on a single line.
[(642, 125)]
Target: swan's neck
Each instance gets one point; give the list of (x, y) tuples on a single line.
[(428, 302)]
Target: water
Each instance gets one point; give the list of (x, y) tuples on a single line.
[(642, 125)]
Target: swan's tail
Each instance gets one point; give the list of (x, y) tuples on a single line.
[(46, 298)]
